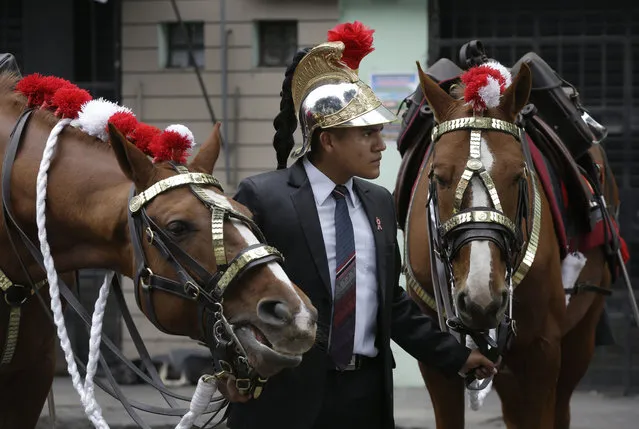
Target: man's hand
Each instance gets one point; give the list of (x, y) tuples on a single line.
[(226, 386), (483, 366)]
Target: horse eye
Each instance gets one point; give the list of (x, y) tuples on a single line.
[(177, 227), (441, 181)]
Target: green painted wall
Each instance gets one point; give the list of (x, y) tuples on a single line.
[(400, 40)]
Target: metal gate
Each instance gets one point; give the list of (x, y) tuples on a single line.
[(596, 48)]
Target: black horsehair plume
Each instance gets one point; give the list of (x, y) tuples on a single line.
[(285, 123)]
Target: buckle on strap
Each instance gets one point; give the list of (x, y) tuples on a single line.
[(15, 294)]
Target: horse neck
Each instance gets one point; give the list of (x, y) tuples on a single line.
[(86, 200)]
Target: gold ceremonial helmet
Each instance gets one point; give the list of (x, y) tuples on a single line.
[(329, 94)]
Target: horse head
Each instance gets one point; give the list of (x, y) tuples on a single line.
[(479, 187), (201, 267)]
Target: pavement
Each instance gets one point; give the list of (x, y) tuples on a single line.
[(590, 410)]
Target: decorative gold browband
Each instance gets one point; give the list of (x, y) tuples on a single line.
[(475, 166), (218, 215), (364, 101), (139, 200), (478, 123)]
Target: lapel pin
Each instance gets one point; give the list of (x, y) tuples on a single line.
[(379, 223)]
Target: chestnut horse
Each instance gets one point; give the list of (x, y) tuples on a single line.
[(173, 231), (480, 216)]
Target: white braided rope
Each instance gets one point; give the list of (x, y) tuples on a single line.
[(87, 395), (206, 386), (476, 397), (202, 397)]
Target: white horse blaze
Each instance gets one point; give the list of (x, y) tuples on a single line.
[(303, 318), (481, 264)]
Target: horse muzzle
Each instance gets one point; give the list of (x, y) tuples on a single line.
[(477, 316)]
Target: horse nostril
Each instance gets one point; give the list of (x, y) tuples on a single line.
[(282, 311), (274, 312), (461, 301)]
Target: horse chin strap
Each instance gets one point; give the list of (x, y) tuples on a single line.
[(482, 223), (195, 282)]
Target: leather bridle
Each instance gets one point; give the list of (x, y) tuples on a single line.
[(196, 283), (482, 223)]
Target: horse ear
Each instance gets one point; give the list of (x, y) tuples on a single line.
[(205, 159), (437, 98), (516, 95), (135, 165)]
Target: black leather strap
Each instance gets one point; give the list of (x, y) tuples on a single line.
[(587, 287), (7, 168), (153, 378)]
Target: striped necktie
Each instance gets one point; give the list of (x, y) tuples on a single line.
[(343, 326)]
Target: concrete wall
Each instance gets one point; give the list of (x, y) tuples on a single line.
[(165, 96), (400, 40)]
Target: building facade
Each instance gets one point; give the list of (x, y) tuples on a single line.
[(241, 48)]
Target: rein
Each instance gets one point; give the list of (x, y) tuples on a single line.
[(482, 223), (228, 354), (195, 282)]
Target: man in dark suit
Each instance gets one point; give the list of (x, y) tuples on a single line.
[(338, 236)]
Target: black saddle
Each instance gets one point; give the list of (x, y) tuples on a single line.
[(554, 112)]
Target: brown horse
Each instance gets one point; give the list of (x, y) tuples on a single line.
[(492, 227), (182, 241)]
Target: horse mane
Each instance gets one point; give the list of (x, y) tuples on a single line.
[(18, 102), (8, 81)]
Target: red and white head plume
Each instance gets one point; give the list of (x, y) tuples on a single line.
[(40, 89), (142, 136), (357, 39), (485, 84), (125, 122), (69, 100), (94, 117), (172, 144)]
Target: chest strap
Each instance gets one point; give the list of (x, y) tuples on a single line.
[(14, 296)]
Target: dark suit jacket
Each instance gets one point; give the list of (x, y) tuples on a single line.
[(284, 208)]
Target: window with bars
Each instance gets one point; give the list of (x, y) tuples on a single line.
[(277, 42), (11, 29), (594, 47), (174, 46)]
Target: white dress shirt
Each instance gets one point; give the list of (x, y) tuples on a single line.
[(366, 302)]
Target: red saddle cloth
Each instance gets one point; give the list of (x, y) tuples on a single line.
[(586, 241)]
